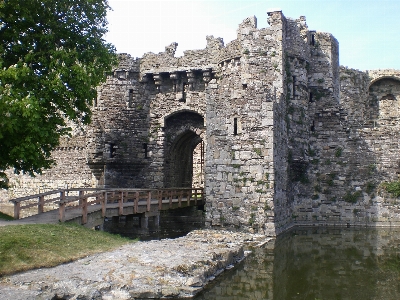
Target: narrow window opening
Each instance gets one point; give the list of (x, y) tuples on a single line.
[(184, 91), (145, 150), (235, 126), (312, 40), (202, 161), (130, 101), (294, 86), (313, 126), (237, 61), (311, 97), (112, 150), (244, 86)]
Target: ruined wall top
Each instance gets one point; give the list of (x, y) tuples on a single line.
[(375, 75), (128, 63), (202, 59), (166, 62), (297, 37), (249, 24)]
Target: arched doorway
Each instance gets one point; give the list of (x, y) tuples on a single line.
[(184, 149)]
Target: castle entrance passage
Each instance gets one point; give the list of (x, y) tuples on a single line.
[(184, 150)]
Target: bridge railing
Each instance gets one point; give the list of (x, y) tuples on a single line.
[(25, 206), (84, 199)]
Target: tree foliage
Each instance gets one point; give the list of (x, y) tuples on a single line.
[(52, 57)]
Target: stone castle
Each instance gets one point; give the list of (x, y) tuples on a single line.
[(274, 129)]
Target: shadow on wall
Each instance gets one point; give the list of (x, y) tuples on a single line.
[(351, 154)]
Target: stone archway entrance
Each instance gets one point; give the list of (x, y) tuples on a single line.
[(184, 149)]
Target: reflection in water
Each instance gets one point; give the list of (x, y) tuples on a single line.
[(317, 264), (173, 223)]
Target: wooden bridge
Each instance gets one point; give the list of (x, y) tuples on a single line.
[(89, 206)]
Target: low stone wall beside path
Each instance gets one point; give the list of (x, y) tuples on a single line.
[(177, 268)]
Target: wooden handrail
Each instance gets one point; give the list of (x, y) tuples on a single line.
[(104, 195), (54, 192)]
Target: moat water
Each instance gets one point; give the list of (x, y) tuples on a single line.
[(311, 263), (317, 264)]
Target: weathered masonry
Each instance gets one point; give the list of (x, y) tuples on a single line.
[(277, 132)]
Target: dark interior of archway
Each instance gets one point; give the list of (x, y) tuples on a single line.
[(181, 160), (184, 118), (181, 140)]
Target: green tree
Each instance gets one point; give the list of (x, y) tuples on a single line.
[(52, 57)]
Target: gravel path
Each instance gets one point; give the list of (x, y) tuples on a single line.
[(176, 268)]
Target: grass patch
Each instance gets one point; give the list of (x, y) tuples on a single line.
[(317, 188), (338, 152), (5, 217), (370, 187), (252, 219), (392, 187), (315, 161), (391, 263), (352, 197), (258, 151), (25, 247)]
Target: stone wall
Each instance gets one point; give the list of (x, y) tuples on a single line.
[(239, 158), (273, 128), (353, 150), (70, 171)]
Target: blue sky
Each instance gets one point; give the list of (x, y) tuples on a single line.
[(367, 31)]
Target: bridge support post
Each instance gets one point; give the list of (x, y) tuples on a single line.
[(81, 193), (121, 204), (180, 199), (144, 221), (62, 212), (160, 196), (41, 204), (136, 202), (62, 207), (103, 204), (156, 219), (148, 201), (84, 211), (17, 208)]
